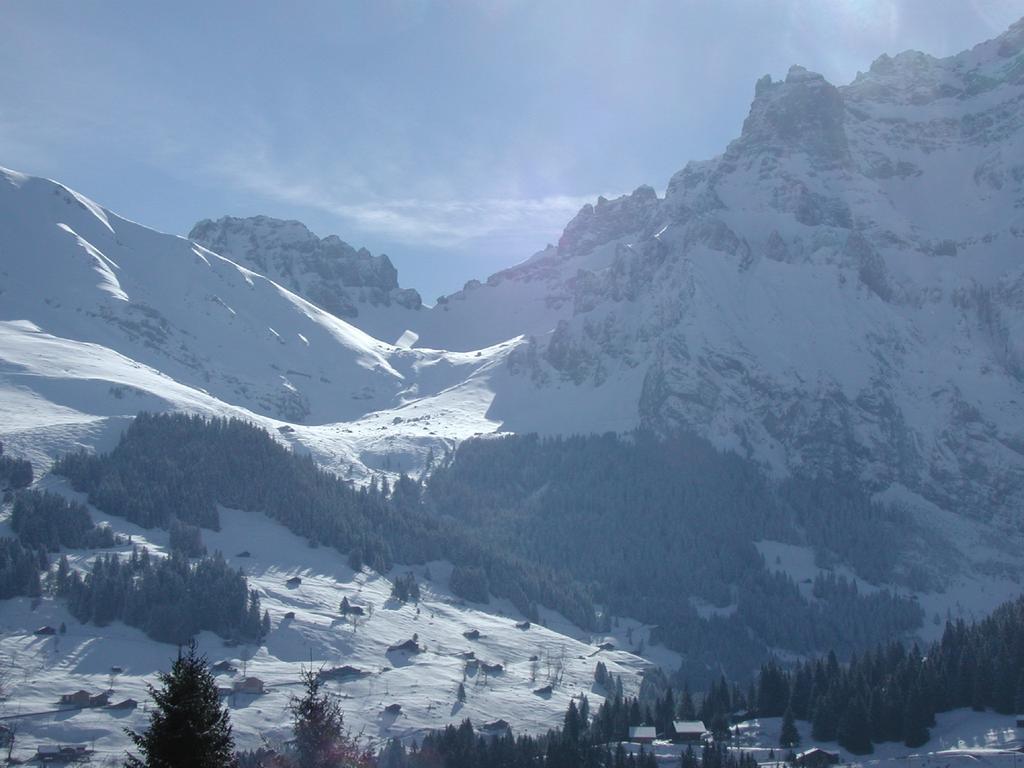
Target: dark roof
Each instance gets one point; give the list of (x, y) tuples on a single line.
[(689, 726)]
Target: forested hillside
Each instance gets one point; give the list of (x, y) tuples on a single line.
[(893, 693), (659, 530), (170, 468), (651, 523)]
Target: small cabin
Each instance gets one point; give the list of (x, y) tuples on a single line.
[(47, 753), (471, 634), (45, 631), (116, 670), (642, 734), (688, 731), (544, 691), (410, 646), (99, 700), (126, 704), (224, 667), (244, 553), (251, 685), (522, 625), (815, 757), (76, 699), (290, 615), (348, 609), (393, 709), (293, 582), (498, 729), (344, 672), (492, 669), (606, 647)]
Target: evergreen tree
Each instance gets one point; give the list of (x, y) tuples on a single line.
[(915, 719), (321, 740), (789, 737), (854, 731), (188, 727)]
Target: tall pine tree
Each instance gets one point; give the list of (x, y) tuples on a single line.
[(321, 740), (188, 727)]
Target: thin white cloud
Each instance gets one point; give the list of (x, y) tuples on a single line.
[(425, 221)]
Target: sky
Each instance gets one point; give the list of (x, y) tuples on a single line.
[(457, 137)]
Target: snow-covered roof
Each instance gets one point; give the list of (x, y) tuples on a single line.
[(816, 751), (642, 732), (689, 726)]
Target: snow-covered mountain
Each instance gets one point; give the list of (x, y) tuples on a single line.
[(839, 292), (351, 284), (101, 317)]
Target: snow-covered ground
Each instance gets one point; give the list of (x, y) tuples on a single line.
[(424, 684)]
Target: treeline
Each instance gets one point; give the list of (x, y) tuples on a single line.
[(893, 693), (582, 741), (168, 598), (179, 467), (664, 530), (14, 473), (49, 521), (19, 569)]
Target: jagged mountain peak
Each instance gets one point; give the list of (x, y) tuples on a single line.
[(347, 282), (803, 113)]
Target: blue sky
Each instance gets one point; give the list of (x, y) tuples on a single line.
[(458, 137)]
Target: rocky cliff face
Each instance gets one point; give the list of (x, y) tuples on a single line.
[(838, 292), (346, 282)]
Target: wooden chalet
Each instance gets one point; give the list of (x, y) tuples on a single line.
[(642, 734)]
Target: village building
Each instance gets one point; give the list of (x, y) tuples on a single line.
[(642, 734), (688, 731), (76, 699), (251, 685), (817, 758)]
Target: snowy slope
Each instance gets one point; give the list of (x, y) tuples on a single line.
[(424, 684), (351, 284), (101, 317)]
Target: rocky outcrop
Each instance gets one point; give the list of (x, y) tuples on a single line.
[(327, 271)]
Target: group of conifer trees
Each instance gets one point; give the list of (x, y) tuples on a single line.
[(47, 520), (893, 693), (664, 529), (168, 598), (20, 561), (190, 727), (20, 567), (15, 473)]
